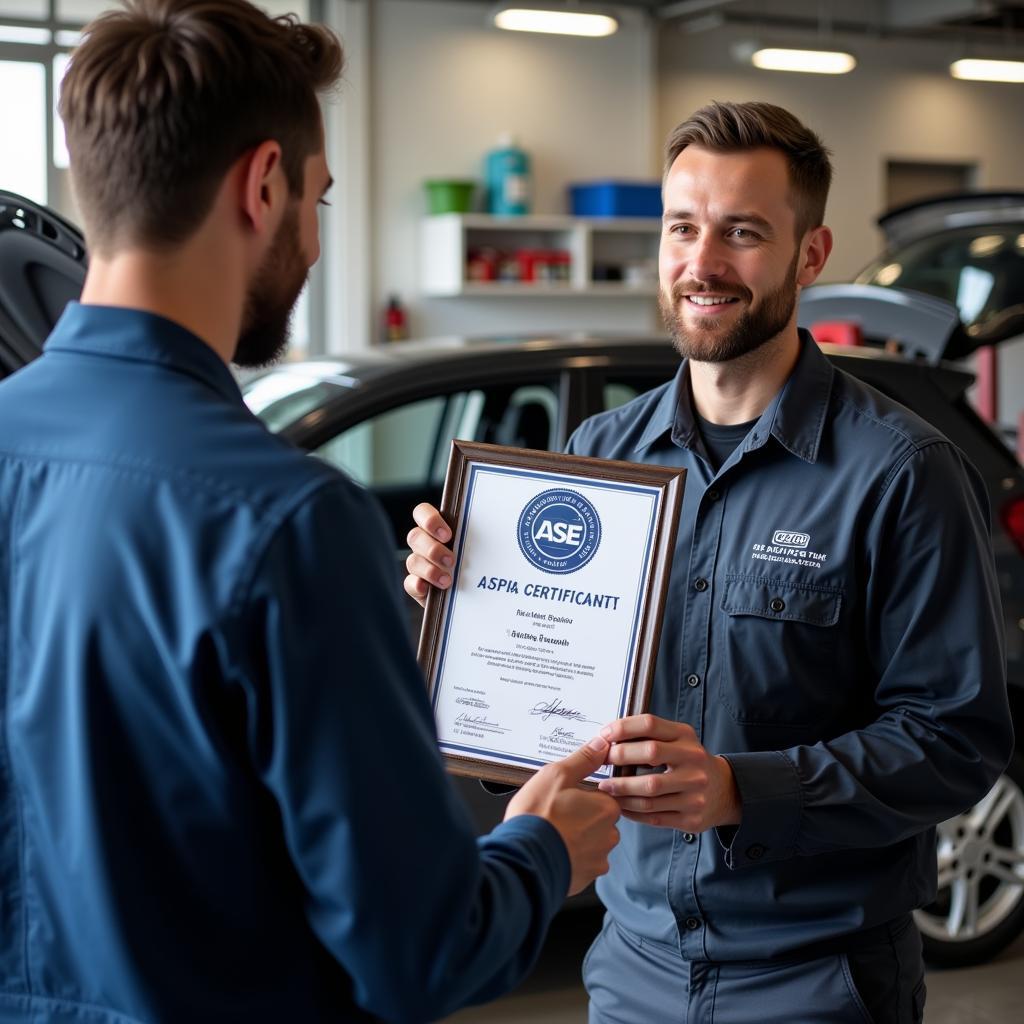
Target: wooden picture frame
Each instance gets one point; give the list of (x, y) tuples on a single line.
[(551, 627)]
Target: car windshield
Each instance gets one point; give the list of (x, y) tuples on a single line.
[(980, 269)]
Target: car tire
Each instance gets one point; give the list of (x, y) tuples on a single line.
[(979, 908)]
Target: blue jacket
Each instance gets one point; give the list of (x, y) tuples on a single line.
[(833, 628), (220, 794)]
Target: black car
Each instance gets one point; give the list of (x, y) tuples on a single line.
[(387, 418), (965, 248)]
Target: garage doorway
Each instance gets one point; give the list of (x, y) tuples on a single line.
[(907, 181)]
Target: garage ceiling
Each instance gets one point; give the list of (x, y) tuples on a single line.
[(1001, 22)]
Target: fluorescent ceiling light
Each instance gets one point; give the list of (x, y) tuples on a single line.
[(563, 21), (817, 62), (988, 70)]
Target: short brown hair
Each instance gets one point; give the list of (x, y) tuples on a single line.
[(160, 99), (734, 127)]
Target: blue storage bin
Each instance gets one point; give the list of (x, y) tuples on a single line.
[(615, 199)]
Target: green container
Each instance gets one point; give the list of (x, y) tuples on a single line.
[(450, 196)]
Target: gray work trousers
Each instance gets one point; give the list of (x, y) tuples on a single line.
[(878, 981)]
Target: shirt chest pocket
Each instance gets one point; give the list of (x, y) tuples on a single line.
[(777, 642)]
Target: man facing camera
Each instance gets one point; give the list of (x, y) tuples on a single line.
[(830, 683), (220, 793)]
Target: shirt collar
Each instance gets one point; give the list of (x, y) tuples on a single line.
[(794, 417), (671, 413), (137, 335)]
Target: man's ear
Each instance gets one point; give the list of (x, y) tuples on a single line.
[(818, 245), (263, 186)]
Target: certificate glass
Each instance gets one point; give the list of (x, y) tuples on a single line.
[(550, 629)]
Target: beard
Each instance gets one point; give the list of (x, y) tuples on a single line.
[(707, 341), (271, 297)]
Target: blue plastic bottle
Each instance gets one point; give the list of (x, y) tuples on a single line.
[(507, 175)]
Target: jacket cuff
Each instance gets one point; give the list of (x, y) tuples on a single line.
[(544, 847), (770, 793)]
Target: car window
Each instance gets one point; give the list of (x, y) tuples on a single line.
[(394, 447), (529, 418), (620, 390), (980, 269), (461, 419), (408, 445)]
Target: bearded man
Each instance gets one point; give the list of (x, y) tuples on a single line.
[(830, 683), (220, 793)]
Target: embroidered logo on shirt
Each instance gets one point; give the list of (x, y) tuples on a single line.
[(791, 547), (791, 539)]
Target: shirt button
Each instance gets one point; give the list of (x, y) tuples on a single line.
[(777, 604), (688, 837), (693, 923), (756, 851), (713, 495), (700, 584), (692, 680)]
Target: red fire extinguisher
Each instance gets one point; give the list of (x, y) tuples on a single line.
[(396, 325)]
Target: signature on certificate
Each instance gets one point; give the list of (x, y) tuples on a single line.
[(480, 721), (556, 709)]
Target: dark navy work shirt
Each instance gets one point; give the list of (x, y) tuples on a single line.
[(833, 629), (220, 792)]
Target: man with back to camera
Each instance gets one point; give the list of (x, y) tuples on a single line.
[(220, 793), (830, 683)]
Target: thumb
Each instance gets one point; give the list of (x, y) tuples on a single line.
[(587, 759)]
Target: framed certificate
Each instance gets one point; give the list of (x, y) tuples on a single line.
[(550, 629)]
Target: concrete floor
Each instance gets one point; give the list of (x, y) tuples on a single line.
[(990, 994)]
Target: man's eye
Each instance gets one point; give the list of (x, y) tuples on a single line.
[(323, 202), (679, 229), (743, 234)]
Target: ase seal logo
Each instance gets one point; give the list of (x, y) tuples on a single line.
[(559, 531)]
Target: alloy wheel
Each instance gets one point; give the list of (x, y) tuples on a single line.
[(981, 868)]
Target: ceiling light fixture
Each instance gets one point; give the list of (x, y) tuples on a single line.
[(778, 58), (558, 19), (976, 70)]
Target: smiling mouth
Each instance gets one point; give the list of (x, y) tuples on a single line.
[(704, 301)]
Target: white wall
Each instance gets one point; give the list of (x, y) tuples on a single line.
[(899, 104), (445, 84)]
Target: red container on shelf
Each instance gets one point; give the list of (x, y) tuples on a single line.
[(482, 264), (544, 266), (532, 264)]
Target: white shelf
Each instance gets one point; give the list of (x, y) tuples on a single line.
[(446, 239), (492, 289), (619, 288), (543, 289)]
